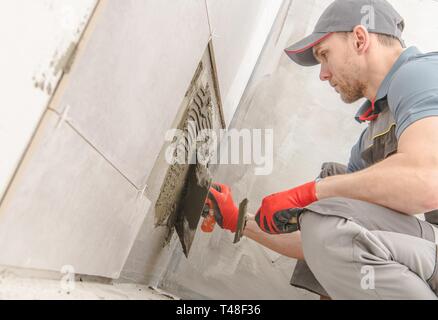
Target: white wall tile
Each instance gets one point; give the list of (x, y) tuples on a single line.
[(35, 37), (127, 86), (68, 206)]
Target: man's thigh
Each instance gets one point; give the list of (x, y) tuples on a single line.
[(373, 217), (343, 238)]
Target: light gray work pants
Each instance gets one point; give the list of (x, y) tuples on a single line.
[(359, 250)]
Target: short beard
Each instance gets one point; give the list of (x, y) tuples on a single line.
[(352, 89), (353, 92)]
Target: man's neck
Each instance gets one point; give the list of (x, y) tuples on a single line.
[(380, 68)]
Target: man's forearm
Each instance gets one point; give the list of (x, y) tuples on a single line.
[(285, 244), (398, 182)]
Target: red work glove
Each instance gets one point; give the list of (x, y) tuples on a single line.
[(279, 211), (225, 211)]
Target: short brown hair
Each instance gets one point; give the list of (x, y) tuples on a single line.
[(387, 40), (384, 39)]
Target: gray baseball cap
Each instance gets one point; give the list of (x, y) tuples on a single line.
[(379, 16)]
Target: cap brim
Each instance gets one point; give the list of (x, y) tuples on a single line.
[(302, 51)]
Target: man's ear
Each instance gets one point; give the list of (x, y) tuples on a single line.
[(361, 38)]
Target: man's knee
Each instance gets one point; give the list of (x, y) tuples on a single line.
[(327, 246), (323, 236), (311, 226), (317, 231), (320, 219)]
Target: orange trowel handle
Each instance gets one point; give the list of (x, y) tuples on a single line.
[(209, 221)]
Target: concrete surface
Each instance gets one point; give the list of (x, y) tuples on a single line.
[(14, 285)]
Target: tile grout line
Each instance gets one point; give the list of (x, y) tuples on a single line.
[(63, 119), (208, 18), (214, 69)]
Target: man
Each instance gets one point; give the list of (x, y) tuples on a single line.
[(355, 226)]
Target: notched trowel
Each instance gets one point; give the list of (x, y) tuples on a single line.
[(241, 220), (189, 213)]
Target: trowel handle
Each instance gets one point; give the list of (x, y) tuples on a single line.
[(209, 221)]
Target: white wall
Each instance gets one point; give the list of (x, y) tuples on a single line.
[(239, 31), (35, 35), (80, 195), (421, 24)]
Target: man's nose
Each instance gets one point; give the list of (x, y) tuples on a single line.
[(324, 74)]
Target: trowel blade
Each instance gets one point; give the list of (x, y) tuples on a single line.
[(241, 221), (198, 186)]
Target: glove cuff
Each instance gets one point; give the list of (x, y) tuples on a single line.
[(308, 194)]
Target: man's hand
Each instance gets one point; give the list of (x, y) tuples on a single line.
[(279, 211), (225, 211)]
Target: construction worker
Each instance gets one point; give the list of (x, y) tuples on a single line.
[(354, 229)]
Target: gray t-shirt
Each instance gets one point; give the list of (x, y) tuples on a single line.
[(411, 90)]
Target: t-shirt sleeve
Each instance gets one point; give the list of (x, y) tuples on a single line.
[(356, 162), (413, 94)]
